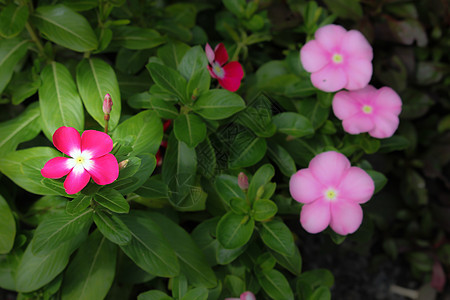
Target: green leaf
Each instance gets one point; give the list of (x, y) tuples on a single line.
[(346, 9), (81, 5), (194, 60), (228, 188), (379, 180), (288, 85), (234, 231), (131, 61), (172, 53), (199, 293), (65, 27), (207, 159), (163, 108), (59, 100), (234, 284), (153, 188), (262, 176), (246, 150), (264, 209), (59, 228), (321, 293), (136, 38), (169, 79), (23, 85), (275, 285), (277, 236), (78, 204), (7, 227), (112, 228), (237, 7), (95, 79), (11, 52), (112, 200), (132, 165), (198, 84), (12, 20), (179, 286), (91, 272), (23, 128), (192, 261), (318, 277), (293, 263), (149, 247), (218, 104), (24, 168), (293, 124), (145, 129), (153, 295), (282, 158), (312, 109), (189, 129), (8, 268), (394, 143)]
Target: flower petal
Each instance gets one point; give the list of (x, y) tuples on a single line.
[(313, 56), (329, 167), (388, 100), (329, 79), (221, 54), (346, 217), (356, 186), (104, 170), (247, 296), (95, 142), (211, 72), (233, 75), (304, 187), (355, 45), (358, 123), (209, 53), (330, 37), (315, 216), (344, 105), (77, 179), (57, 167), (385, 125), (67, 140), (359, 73)]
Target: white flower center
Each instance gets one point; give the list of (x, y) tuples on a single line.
[(330, 194), (218, 70), (337, 58), (367, 109), (80, 161)]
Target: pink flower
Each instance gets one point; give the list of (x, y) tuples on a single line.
[(332, 191), (229, 75), (338, 59), (368, 110), (244, 296), (90, 157)]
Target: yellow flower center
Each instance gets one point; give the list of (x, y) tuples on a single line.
[(367, 109), (337, 58), (331, 194), (79, 160)]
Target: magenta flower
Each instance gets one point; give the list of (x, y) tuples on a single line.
[(229, 75), (90, 157), (332, 191), (244, 296), (368, 110), (338, 59)]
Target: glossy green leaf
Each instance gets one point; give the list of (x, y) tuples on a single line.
[(282, 158), (154, 295), (275, 285), (24, 168), (153, 188), (12, 20), (112, 200), (194, 60), (189, 129), (11, 52), (246, 150), (293, 124), (262, 176), (312, 109), (264, 209), (163, 108), (20, 129), (78, 204), (8, 268), (7, 227), (179, 286), (234, 284), (218, 104), (95, 79), (172, 53), (136, 38), (23, 85), (293, 263), (149, 247), (234, 231), (227, 187), (379, 180), (59, 100), (198, 84), (65, 27), (277, 236), (57, 229), (199, 293), (192, 261), (130, 166), (145, 129), (91, 272), (112, 227), (168, 79)]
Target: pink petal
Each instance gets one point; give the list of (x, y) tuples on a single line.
[(355, 45), (247, 296), (344, 105), (211, 72), (209, 53), (388, 100), (97, 143), (233, 75), (385, 125), (77, 179), (346, 217), (329, 79), (313, 56), (356, 186), (67, 140), (329, 167), (330, 37), (221, 54), (104, 170), (57, 167), (358, 123), (304, 187), (315, 216), (438, 276), (359, 73)]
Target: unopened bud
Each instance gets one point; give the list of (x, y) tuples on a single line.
[(243, 181), (166, 125), (123, 164), (247, 296), (107, 104), (194, 94)]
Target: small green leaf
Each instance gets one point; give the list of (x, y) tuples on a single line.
[(378, 178), (11, 52), (282, 158), (192, 61), (246, 150), (312, 109), (264, 209), (112, 228), (293, 263), (239, 206), (198, 84), (136, 38), (218, 104), (293, 124), (169, 79), (154, 189), (172, 53), (189, 129), (198, 293), (275, 285), (153, 295), (78, 204), (262, 176), (234, 231), (179, 286), (277, 236), (12, 20), (227, 187), (112, 200), (394, 143), (7, 227)]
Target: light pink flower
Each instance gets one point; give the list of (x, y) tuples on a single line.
[(90, 157), (338, 59), (368, 110), (332, 191), (229, 75), (244, 296)]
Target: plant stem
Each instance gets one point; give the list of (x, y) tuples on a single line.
[(35, 39)]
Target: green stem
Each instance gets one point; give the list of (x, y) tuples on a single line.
[(35, 39), (236, 52)]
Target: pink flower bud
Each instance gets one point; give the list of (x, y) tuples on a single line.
[(243, 181), (123, 164), (247, 296), (107, 104)]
